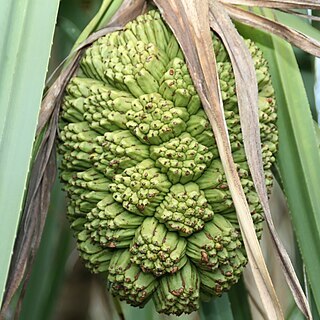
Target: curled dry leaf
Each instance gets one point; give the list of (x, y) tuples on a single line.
[(55, 92), (301, 15), (247, 103), (129, 10), (192, 28), (295, 37), (276, 4)]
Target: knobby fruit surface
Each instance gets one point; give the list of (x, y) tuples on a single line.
[(149, 202)]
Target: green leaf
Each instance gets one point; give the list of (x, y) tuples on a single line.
[(307, 67), (298, 157), (26, 35), (238, 297), (305, 60), (217, 309), (296, 314), (317, 128), (78, 12), (55, 247), (73, 16), (297, 23), (149, 313), (106, 11)]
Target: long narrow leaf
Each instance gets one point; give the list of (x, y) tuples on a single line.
[(285, 4), (317, 128), (238, 297), (55, 247), (26, 35), (298, 156), (100, 20), (217, 309), (247, 101), (301, 15), (298, 23), (293, 36), (192, 32)]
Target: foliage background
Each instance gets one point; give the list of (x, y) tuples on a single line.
[(60, 287)]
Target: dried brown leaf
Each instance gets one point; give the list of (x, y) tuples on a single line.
[(128, 11), (277, 4), (247, 102), (295, 37), (247, 91), (190, 24), (301, 15), (55, 92)]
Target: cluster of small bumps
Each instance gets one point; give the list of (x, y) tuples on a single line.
[(149, 202)]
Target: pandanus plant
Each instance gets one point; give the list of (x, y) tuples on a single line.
[(166, 124)]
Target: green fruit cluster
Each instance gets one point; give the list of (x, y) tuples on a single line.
[(149, 203)]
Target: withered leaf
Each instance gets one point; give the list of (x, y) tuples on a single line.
[(190, 24)]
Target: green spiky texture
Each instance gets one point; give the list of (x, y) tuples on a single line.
[(217, 249), (140, 188), (158, 250), (154, 120), (128, 281), (111, 225), (178, 293), (96, 257), (183, 158), (184, 209), (149, 202)]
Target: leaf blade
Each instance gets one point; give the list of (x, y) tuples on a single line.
[(192, 27), (297, 38), (247, 95), (285, 4), (217, 308), (19, 94), (298, 156)]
